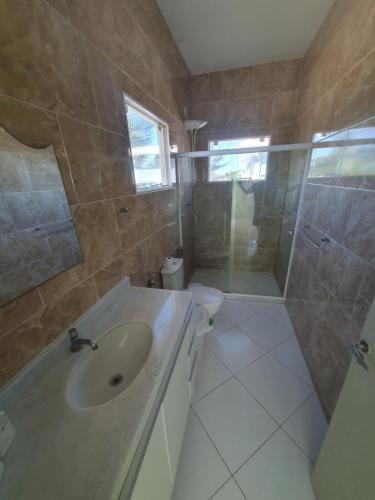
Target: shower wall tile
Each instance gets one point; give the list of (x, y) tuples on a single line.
[(64, 67), (284, 108), (277, 77), (245, 102), (199, 88), (333, 287), (360, 229), (231, 84), (256, 96)]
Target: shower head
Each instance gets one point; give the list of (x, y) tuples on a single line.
[(194, 124)]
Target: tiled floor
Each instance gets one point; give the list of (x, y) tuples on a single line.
[(249, 282), (255, 424)]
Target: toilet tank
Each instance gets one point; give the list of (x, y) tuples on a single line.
[(173, 274)]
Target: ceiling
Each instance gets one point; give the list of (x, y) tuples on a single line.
[(215, 35)]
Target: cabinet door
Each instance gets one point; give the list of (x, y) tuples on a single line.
[(176, 406), (154, 480)]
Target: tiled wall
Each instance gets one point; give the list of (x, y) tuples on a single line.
[(237, 223), (331, 289), (253, 101), (63, 68)]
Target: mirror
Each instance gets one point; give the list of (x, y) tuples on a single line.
[(37, 235)]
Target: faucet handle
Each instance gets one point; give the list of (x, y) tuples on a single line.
[(73, 334)]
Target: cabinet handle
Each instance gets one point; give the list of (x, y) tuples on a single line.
[(191, 343), (193, 366)]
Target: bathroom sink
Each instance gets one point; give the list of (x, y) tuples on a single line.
[(103, 374)]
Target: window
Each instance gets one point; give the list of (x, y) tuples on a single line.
[(249, 166), (149, 147)]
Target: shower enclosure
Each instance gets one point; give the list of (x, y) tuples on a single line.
[(239, 223)]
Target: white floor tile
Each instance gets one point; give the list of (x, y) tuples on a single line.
[(220, 325), (229, 491), (265, 331), (307, 426), (211, 373), (289, 353), (236, 423), (278, 471), (279, 313), (238, 310), (235, 349), (201, 471), (274, 386)]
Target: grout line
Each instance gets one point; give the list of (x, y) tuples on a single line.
[(227, 367), (259, 403), (256, 451), (220, 487), (291, 371), (239, 487), (211, 440), (336, 84), (212, 390), (297, 445)]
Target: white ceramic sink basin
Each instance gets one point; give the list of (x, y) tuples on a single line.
[(103, 374)]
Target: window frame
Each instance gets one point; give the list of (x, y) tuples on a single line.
[(163, 140), (269, 137)]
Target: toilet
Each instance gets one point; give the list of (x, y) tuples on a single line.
[(208, 299)]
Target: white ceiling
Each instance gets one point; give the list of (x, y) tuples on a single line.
[(215, 35)]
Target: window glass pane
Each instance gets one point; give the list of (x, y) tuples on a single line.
[(146, 144), (251, 166)]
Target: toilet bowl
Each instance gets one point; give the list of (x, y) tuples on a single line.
[(210, 299)]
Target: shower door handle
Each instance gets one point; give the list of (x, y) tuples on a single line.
[(359, 352)]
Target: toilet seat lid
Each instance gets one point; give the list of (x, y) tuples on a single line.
[(204, 295)]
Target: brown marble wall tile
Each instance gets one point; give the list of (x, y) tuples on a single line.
[(81, 57), (163, 207), (152, 254), (284, 108), (360, 229), (54, 288), (199, 88), (99, 161), (19, 310), (335, 284), (109, 85), (97, 232), (110, 275), (247, 98), (355, 94), (231, 84), (135, 224), (276, 77), (27, 339), (147, 14), (55, 73)]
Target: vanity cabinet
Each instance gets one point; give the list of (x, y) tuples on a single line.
[(154, 480), (175, 406), (158, 470)]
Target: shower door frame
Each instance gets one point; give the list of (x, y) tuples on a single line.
[(308, 147)]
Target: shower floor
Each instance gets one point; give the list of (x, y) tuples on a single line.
[(249, 282)]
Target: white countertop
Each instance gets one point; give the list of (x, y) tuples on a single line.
[(61, 452)]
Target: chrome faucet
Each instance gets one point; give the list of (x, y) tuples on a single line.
[(76, 342)]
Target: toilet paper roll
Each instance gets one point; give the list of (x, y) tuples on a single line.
[(169, 262)]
